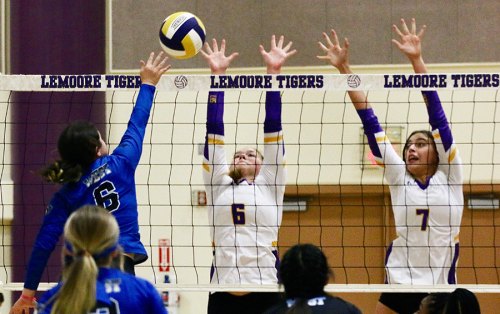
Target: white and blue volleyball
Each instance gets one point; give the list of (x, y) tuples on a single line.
[(182, 35)]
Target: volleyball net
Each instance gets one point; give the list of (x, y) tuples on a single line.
[(335, 197)]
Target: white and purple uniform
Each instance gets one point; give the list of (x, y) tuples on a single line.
[(427, 216), (244, 217)]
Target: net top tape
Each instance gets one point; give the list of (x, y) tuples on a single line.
[(321, 82)]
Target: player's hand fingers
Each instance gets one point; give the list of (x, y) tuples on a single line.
[(413, 26), (158, 59), (151, 56), (404, 27), (223, 46), (346, 43), (397, 31), (328, 39), (291, 53), (208, 48), (215, 45), (273, 42), (335, 38), (287, 47), (422, 32), (323, 47), (280, 41)]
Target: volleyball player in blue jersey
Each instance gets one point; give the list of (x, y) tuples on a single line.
[(90, 175), (245, 198), (89, 283), (425, 185)]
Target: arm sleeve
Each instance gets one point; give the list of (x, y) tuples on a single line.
[(449, 157), (131, 143), (46, 240), (273, 167), (215, 168), (381, 147), (156, 302)]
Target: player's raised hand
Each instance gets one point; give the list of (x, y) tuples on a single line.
[(153, 69), (23, 306), (409, 41), (337, 55), (277, 55), (216, 57)]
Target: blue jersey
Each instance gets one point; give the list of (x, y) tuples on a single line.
[(116, 292), (110, 183)]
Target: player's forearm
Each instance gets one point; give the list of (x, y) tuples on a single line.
[(142, 108), (437, 117), (272, 122), (358, 98), (131, 142), (371, 126), (215, 113), (36, 266)]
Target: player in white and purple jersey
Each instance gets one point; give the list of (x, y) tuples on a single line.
[(90, 175), (245, 199), (426, 184)]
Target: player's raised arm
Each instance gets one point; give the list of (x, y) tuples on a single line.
[(338, 56), (215, 163), (274, 150), (410, 44), (131, 143)]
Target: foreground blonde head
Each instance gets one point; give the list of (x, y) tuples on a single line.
[(91, 234)]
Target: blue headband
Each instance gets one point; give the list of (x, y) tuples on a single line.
[(103, 253)]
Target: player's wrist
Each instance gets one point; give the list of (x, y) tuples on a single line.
[(28, 298)]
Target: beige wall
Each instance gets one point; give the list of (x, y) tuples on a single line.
[(456, 28)]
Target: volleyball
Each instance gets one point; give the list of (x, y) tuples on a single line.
[(182, 35)]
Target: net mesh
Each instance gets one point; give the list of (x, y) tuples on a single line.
[(335, 198)]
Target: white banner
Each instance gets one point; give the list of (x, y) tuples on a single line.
[(340, 82)]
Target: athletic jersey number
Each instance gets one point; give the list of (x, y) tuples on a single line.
[(105, 196), (425, 218), (238, 211), (102, 308)]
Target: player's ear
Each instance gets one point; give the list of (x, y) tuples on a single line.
[(98, 151)]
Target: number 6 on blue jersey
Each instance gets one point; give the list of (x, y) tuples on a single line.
[(105, 196)]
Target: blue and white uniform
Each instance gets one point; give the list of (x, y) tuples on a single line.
[(110, 183), (244, 216), (427, 216), (116, 292)]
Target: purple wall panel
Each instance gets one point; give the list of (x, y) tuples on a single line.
[(63, 37)]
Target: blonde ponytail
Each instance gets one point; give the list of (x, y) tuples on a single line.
[(91, 235), (78, 290)]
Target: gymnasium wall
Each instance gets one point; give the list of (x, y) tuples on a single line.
[(457, 30)]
